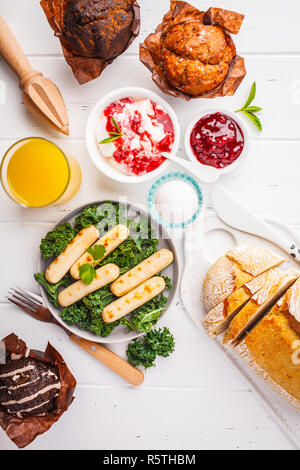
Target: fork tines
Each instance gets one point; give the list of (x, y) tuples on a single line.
[(24, 300), (27, 293)]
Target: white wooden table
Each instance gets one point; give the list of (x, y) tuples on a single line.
[(176, 408)]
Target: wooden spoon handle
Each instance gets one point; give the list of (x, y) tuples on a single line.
[(111, 360), (13, 54)]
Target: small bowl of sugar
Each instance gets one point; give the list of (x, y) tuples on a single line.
[(175, 200)]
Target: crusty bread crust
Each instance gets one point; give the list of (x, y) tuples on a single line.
[(233, 270), (293, 323), (272, 350), (217, 320), (276, 285), (246, 355)]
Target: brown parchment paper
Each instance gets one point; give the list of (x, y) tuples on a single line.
[(181, 12), (85, 69), (23, 431)]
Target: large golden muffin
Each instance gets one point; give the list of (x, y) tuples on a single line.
[(191, 53), (196, 57)]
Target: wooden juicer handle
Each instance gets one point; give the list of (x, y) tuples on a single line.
[(13, 54)]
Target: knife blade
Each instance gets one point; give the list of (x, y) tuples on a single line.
[(233, 213)]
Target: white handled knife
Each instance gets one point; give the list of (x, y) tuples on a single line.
[(233, 213)]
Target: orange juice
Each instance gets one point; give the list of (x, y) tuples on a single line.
[(36, 173)]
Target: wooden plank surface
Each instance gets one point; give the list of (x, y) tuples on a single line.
[(269, 27), (194, 399)]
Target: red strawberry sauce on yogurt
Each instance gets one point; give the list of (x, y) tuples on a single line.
[(146, 131), (217, 140)]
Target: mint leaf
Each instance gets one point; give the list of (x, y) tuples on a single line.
[(87, 273), (113, 135), (254, 119), (253, 109), (97, 252), (251, 96), (108, 140), (250, 110), (116, 125)]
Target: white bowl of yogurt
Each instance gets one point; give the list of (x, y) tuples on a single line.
[(135, 127)]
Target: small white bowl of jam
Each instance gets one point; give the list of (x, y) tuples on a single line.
[(217, 138)]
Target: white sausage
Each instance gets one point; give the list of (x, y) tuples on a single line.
[(61, 265), (111, 240), (134, 299), (143, 271), (79, 289)]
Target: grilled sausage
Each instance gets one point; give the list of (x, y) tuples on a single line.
[(79, 289), (61, 265), (111, 240), (133, 300), (143, 271)]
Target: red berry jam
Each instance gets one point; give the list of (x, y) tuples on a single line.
[(217, 140), (147, 132)]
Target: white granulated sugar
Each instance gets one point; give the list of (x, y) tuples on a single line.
[(176, 201)]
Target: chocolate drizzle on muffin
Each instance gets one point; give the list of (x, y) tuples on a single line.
[(28, 387)]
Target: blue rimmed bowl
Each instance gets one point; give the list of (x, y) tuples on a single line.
[(173, 177)]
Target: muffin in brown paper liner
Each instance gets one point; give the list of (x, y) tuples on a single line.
[(186, 67), (23, 431), (92, 33)]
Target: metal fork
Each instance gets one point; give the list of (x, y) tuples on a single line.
[(33, 305)]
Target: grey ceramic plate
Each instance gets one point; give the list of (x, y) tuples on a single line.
[(120, 334)]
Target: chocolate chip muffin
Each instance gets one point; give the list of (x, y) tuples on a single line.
[(98, 28), (195, 57), (28, 387)]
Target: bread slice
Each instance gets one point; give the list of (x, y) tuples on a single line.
[(272, 348), (275, 286), (234, 269), (217, 320)]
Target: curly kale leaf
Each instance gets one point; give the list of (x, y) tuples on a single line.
[(56, 240), (139, 354), (104, 216), (146, 316), (95, 303), (128, 255), (52, 289), (89, 216), (140, 231), (168, 281), (87, 313), (143, 352), (161, 341), (77, 314), (100, 327)]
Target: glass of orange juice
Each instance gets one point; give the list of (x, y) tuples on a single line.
[(36, 173)]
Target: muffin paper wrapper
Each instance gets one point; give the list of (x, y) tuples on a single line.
[(85, 69), (23, 431), (181, 12)]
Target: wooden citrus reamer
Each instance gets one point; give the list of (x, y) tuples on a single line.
[(40, 95)]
